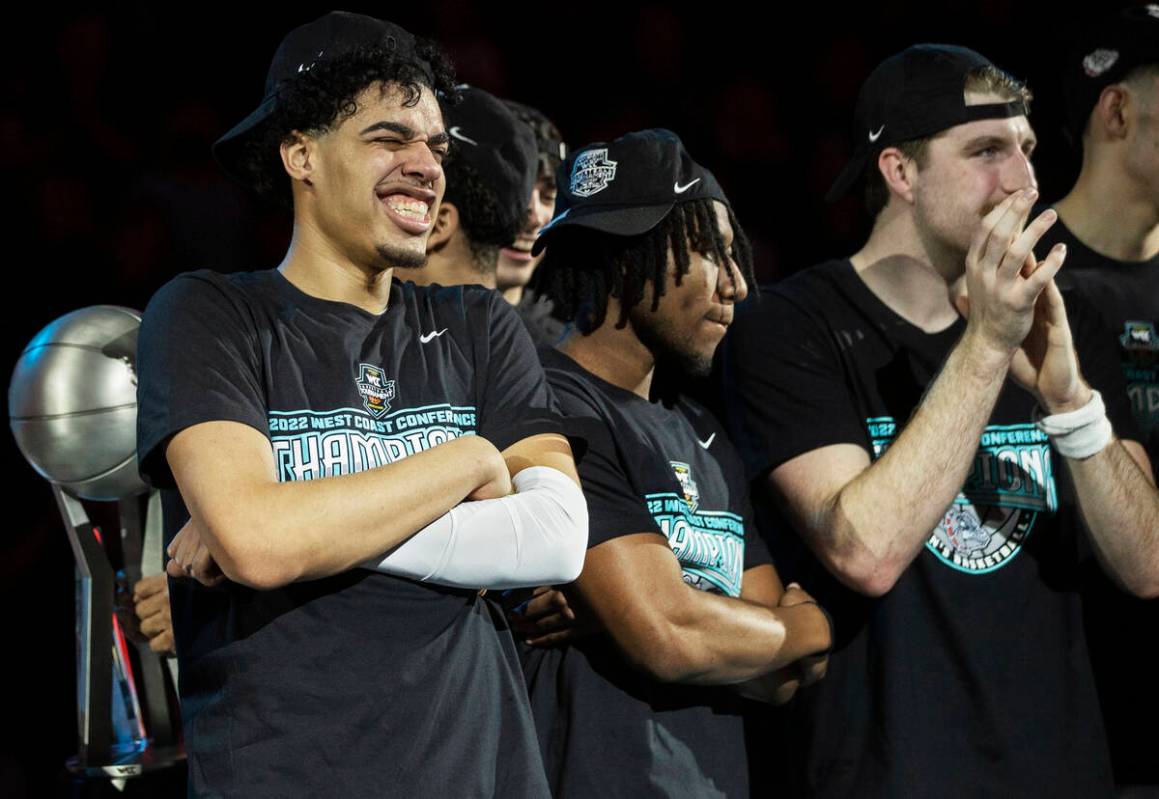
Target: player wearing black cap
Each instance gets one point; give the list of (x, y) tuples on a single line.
[(516, 263), (646, 257), (491, 173), (321, 416), (905, 443), (1109, 222)]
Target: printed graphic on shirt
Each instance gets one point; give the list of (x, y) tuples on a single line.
[(376, 390), (709, 544), (687, 484), (309, 445), (1011, 482), (1140, 348)]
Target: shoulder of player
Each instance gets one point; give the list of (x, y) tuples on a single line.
[(192, 294)]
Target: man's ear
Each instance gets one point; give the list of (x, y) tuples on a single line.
[(446, 225), (299, 156), (1112, 111), (898, 172)]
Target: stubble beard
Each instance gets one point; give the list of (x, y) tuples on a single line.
[(667, 349), (397, 257)]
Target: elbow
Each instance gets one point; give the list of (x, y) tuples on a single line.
[(245, 562), (865, 573), (665, 655)]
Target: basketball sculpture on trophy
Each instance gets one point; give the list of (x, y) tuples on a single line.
[(72, 405)]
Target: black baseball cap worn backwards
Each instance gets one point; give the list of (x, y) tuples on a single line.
[(626, 186), (916, 93), (1104, 55), (326, 37), (498, 145)]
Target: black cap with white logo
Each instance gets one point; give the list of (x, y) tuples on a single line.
[(911, 95), (626, 186), (1104, 55), (326, 37), (498, 145)]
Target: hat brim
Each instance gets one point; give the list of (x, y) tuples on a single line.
[(227, 150), (849, 175), (629, 220)]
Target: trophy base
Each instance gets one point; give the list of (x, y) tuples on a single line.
[(132, 764)]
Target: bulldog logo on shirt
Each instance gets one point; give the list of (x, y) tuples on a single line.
[(1011, 482), (375, 389)]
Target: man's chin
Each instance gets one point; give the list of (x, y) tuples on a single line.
[(400, 258)]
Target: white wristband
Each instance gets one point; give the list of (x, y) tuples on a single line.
[(1078, 434)]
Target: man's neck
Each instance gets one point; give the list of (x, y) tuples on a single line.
[(513, 294), (1112, 216), (615, 356), (315, 267), (911, 281), (449, 272)]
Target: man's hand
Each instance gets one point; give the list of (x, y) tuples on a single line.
[(812, 668), (1046, 364), (190, 557), (1003, 281), (546, 619), (151, 604)]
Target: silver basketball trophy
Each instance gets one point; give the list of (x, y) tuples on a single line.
[(72, 405)]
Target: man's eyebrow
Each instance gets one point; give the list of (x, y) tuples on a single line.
[(438, 138), (394, 127), (985, 140)]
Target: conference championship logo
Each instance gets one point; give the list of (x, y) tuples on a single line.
[(1139, 345), (688, 486), (375, 389), (1011, 482), (592, 172)]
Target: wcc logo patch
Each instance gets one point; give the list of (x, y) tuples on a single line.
[(1011, 482), (1140, 343), (592, 173), (376, 390), (687, 485)]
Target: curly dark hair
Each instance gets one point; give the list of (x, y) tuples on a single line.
[(583, 267), (316, 100), (480, 214), (548, 139)]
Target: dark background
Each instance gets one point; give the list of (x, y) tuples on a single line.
[(108, 115)]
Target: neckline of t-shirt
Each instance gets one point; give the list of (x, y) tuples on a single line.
[(900, 325), (1085, 252), (572, 365), (334, 306)]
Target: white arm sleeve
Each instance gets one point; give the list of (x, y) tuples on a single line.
[(536, 536)]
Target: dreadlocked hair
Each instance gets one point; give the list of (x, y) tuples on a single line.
[(321, 98), (583, 267)]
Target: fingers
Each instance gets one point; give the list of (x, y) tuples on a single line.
[(545, 602), (1007, 229), (149, 586), (1021, 251), (1047, 269), (551, 639), (991, 228), (163, 644), (151, 605), (156, 624)]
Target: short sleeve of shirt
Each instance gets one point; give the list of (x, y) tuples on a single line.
[(784, 385), (615, 508), (197, 361), (516, 402), (1099, 359), (756, 551)]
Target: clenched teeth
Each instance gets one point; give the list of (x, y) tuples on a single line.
[(408, 206)]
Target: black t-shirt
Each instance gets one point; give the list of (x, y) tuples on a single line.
[(604, 728), (970, 677), (360, 684), (1126, 295)]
